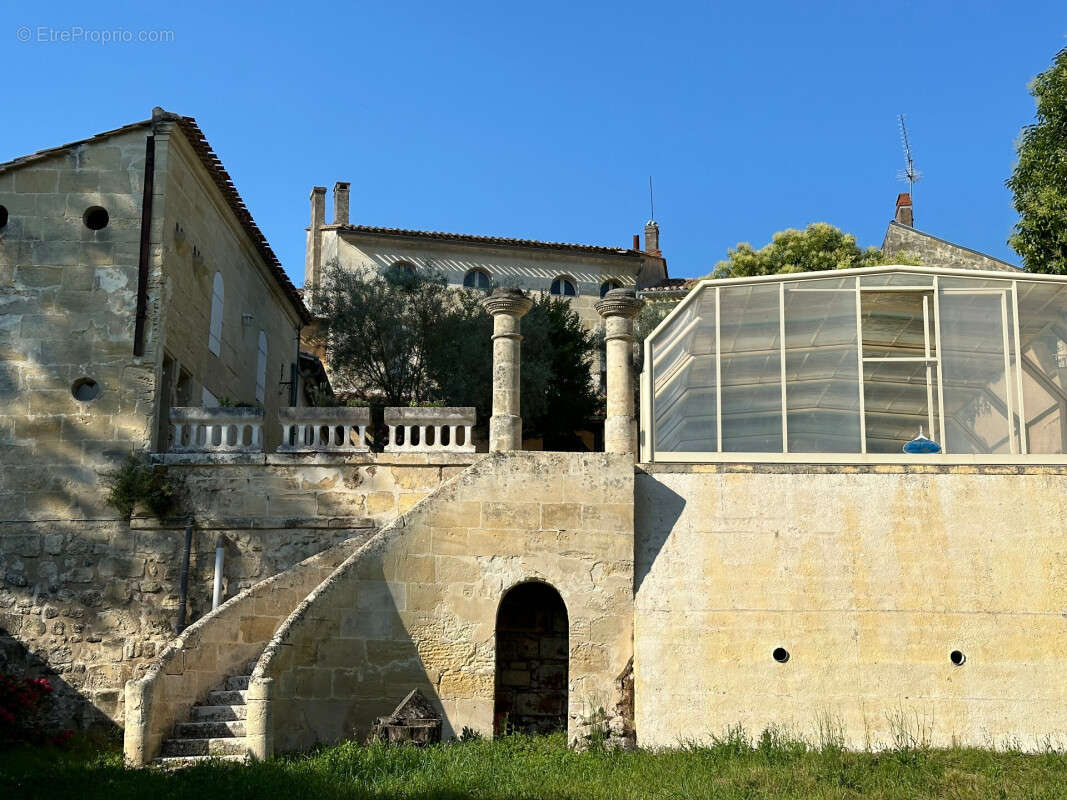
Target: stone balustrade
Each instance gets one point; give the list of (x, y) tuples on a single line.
[(430, 430), (324, 430), (216, 430)]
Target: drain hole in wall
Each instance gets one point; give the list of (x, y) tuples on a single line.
[(957, 657), (95, 218), (85, 389), (780, 654)]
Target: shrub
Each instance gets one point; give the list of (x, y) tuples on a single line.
[(138, 481), (21, 701)]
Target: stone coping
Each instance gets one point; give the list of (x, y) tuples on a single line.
[(460, 415), (355, 415), (854, 469), (437, 458), (221, 413), (147, 522)]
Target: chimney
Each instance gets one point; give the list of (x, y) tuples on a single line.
[(652, 238), (313, 251), (340, 203), (904, 214), (637, 242)]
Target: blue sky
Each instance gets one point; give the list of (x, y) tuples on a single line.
[(545, 120)]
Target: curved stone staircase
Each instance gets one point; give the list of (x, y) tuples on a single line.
[(215, 730)]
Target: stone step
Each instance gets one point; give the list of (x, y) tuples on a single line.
[(237, 682), (227, 697), (209, 730), (228, 746), (217, 713), (177, 762)]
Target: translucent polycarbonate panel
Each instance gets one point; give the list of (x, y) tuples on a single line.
[(751, 371), (1043, 337), (684, 379), (821, 368), (976, 356), (899, 398), (897, 279), (897, 324)]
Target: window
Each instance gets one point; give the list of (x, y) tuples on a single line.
[(3, 216), (261, 368), (564, 287), (477, 279), (95, 218), (208, 400), (218, 301), (403, 267), (607, 286)]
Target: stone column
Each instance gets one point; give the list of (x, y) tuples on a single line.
[(505, 426), (618, 308), (259, 731)]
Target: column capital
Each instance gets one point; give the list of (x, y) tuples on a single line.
[(621, 302), (507, 300)]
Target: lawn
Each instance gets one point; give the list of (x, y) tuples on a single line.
[(522, 767)]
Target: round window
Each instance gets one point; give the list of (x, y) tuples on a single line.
[(95, 218), (85, 389)]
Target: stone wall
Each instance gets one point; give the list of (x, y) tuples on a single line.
[(90, 603), (869, 578), (67, 312), (416, 607), (936, 252), (203, 237)]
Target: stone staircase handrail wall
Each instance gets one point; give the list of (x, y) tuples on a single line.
[(429, 429), (213, 648), (195, 429), (315, 429)]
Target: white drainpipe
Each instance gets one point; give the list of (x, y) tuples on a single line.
[(220, 551)]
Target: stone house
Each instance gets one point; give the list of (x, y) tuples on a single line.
[(132, 279), (578, 273), (767, 543)]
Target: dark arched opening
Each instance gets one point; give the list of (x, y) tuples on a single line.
[(532, 647)]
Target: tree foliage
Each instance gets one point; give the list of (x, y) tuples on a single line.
[(818, 247), (1039, 182), (400, 339)]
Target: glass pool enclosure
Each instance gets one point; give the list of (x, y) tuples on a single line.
[(847, 366)]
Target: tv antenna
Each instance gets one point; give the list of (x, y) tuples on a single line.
[(651, 203), (909, 173)]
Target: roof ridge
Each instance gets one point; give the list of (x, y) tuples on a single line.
[(483, 239), (223, 182)]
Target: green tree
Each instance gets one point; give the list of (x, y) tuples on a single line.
[(400, 339), (1039, 182), (818, 247)]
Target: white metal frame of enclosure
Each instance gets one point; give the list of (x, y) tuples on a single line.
[(1017, 438)]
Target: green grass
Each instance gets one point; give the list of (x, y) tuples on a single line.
[(522, 767)]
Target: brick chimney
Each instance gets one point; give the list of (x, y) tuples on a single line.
[(340, 203), (904, 214), (652, 238)]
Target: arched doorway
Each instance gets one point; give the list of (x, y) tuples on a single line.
[(532, 648)]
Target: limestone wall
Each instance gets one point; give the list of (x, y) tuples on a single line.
[(416, 607), (869, 577), (67, 312), (90, 603), (202, 237)]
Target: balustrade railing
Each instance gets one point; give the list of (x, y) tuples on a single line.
[(317, 429), (429, 430), (216, 430)]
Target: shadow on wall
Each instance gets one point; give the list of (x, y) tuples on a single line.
[(341, 671), (65, 707), (656, 510)]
